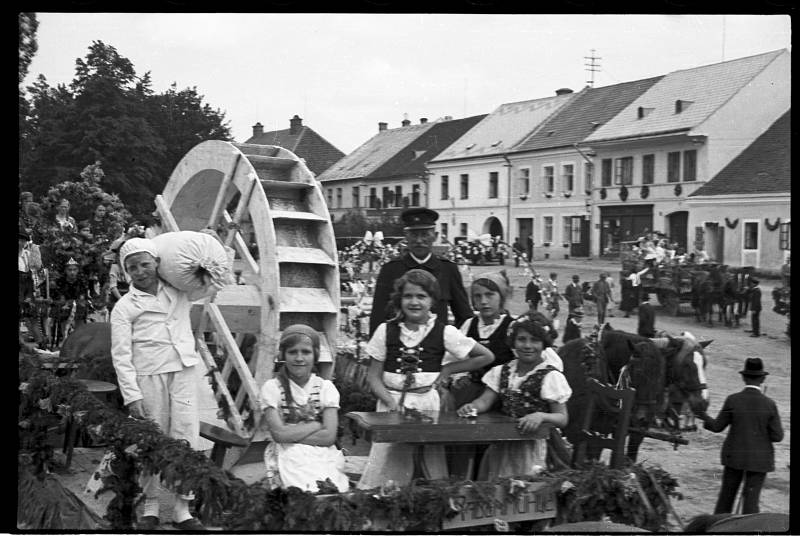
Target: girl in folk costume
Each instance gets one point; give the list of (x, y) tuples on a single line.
[(489, 294), (530, 390), (406, 371), (301, 410)]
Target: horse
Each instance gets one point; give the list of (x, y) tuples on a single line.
[(705, 294)]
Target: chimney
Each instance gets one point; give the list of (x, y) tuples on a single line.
[(295, 125), (382, 126), (405, 122), (258, 130), (423, 120), (563, 91)]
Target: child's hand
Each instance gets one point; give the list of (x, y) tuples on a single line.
[(531, 422), (467, 410), (391, 404)]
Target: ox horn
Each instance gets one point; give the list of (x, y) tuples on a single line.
[(706, 343)]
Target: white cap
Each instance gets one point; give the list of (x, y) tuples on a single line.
[(136, 245)]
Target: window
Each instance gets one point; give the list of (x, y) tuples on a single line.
[(605, 174), (690, 165), (751, 235), (443, 230), (648, 169), (548, 229), (588, 175), (566, 229), (445, 188), (493, 185), (465, 186), (338, 197), (355, 197), (786, 236), (548, 179), (330, 197), (674, 166), (398, 196), (623, 171), (373, 198), (386, 194), (415, 195), (568, 179), (524, 181), (463, 229)]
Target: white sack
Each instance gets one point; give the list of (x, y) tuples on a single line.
[(193, 261)]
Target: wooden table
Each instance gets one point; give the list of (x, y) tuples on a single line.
[(446, 428)]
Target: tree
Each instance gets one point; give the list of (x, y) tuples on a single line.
[(111, 115), (28, 25)]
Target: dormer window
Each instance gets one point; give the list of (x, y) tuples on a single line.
[(498, 142), (470, 146), (682, 105), (642, 112), (550, 133)]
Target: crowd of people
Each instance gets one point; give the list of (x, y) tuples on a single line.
[(68, 270)]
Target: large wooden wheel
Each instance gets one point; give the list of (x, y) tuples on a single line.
[(265, 204)]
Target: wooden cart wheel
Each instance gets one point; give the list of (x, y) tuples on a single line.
[(265, 204)]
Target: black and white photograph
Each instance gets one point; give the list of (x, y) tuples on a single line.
[(503, 274)]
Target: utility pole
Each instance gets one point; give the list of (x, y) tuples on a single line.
[(592, 67)]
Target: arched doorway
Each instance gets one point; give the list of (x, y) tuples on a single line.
[(493, 227)]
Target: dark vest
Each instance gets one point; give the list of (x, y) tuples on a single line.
[(430, 351), (311, 411), (518, 403), (497, 342)]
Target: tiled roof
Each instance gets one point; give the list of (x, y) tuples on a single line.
[(591, 108), (318, 152), (370, 156), (707, 87), (503, 128), (764, 167), (412, 158)]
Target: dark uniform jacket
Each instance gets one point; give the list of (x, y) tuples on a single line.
[(754, 426), (647, 320), (450, 284), (755, 299)]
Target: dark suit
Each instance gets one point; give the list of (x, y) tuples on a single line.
[(647, 320), (747, 452), (574, 296), (450, 285), (755, 309)]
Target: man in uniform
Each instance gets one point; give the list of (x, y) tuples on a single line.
[(420, 231)]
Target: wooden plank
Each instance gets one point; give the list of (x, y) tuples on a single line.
[(241, 247), (283, 184), (222, 388), (302, 299), (537, 500), (223, 190), (230, 344), (304, 255), (241, 208), (294, 215), (263, 161), (167, 220), (445, 427), (240, 306)]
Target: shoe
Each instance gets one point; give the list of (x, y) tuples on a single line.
[(147, 522), (755, 335), (189, 524)]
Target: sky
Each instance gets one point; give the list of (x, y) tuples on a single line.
[(344, 73)]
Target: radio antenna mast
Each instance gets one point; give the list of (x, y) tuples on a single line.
[(592, 67)]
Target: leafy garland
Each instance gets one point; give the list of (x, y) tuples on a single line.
[(731, 225), (138, 446), (772, 227)]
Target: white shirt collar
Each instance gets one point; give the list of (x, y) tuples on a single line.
[(136, 291), (417, 260), (758, 388)]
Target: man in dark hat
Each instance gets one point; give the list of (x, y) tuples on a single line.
[(747, 453), (755, 307), (420, 231)]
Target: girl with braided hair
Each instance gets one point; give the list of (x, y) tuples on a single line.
[(530, 390), (301, 411)]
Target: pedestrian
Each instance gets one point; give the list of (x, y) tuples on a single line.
[(755, 307), (420, 232), (574, 294), (631, 290), (602, 295), (533, 293), (551, 296), (406, 371), (517, 250), (302, 411), (154, 355), (572, 328), (647, 319), (747, 453)]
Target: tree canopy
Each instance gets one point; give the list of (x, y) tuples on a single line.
[(110, 114)]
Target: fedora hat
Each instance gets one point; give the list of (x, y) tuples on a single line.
[(753, 367)]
